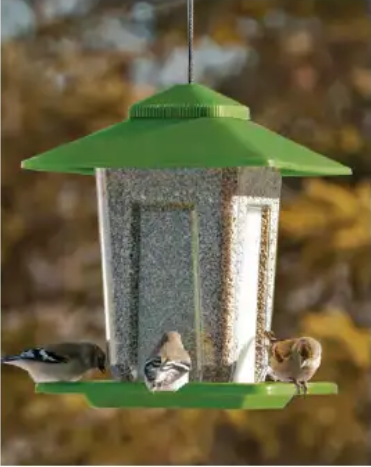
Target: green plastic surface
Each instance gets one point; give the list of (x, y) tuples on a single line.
[(186, 126), (113, 394)]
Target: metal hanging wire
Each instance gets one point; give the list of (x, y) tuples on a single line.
[(167, 5), (190, 15)]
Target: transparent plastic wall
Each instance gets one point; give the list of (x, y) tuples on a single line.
[(191, 250)]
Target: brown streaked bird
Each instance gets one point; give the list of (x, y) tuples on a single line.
[(168, 366), (67, 361), (293, 360)]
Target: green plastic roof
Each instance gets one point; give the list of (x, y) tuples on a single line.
[(114, 394), (186, 126)]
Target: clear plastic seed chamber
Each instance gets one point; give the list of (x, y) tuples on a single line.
[(190, 250), (188, 199)]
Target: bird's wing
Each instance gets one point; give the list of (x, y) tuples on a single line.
[(305, 350), (171, 371), (168, 369), (152, 366), (42, 355), (182, 366), (282, 350), (66, 350)]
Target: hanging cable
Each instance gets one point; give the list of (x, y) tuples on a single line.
[(190, 40)]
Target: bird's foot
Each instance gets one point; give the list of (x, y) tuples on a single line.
[(298, 387)]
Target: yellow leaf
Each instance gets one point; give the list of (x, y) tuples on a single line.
[(339, 326)]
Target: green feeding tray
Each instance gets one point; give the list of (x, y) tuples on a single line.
[(114, 394), (186, 126)]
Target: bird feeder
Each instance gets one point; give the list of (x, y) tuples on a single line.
[(188, 194)]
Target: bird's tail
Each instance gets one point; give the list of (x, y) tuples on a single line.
[(270, 336)]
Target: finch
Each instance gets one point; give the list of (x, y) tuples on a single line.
[(59, 362), (168, 367), (294, 360)]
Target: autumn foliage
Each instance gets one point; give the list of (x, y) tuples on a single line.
[(312, 83)]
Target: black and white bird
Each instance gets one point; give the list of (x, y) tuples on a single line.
[(168, 367), (67, 361)]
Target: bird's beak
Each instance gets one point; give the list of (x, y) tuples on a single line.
[(305, 363)]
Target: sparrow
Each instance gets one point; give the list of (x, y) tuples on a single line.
[(168, 367), (293, 360), (67, 361)]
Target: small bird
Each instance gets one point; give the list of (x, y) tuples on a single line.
[(293, 360), (168, 367), (59, 362)]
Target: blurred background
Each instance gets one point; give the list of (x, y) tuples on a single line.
[(72, 67)]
